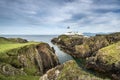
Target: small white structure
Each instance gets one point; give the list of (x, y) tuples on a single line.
[(70, 32), (73, 33)]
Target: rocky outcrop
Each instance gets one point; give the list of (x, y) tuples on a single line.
[(106, 60), (101, 52), (67, 43), (48, 57), (69, 71), (18, 40), (82, 47), (32, 59)]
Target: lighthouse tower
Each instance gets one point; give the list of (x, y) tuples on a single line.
[(69, 31)]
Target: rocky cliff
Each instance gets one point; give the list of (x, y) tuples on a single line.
[(82, 47), (20, 57), (101, 52), (106, 60)]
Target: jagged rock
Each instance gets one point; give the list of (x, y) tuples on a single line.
[(106, 60), (82, 47), (92, 49), (69, 71), (48, 57)]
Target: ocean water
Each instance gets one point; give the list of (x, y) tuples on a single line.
[(63, 57)]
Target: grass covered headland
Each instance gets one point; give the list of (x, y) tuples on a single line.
[(23, 60), (6, 45)]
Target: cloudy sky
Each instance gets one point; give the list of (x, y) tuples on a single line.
[(53, 16)]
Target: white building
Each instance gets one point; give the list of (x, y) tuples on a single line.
[(70, 32), (73, 33)]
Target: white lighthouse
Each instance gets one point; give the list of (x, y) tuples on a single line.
[(70, 32)]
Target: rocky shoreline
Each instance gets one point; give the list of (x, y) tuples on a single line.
[(100, 52), (82, 47)]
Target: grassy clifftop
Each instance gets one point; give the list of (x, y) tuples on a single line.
[(8, 44), (4, 47), (11, 63), (23, 60)]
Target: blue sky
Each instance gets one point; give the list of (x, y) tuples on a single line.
[(53, 16)]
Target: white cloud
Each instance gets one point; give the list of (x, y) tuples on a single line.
[(80, 14)]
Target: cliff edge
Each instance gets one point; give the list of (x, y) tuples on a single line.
[(20, 57)]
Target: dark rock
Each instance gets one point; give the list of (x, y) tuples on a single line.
[(48, 57)]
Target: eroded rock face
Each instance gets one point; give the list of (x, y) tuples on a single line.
[(34, 59), (82, 47), (48, 57), (8, 70), (69, 71), (106, 60)]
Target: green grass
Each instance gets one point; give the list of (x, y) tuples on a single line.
[(111, 53), (5, 41), (8, 46), (27, 77), (12, 49)]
